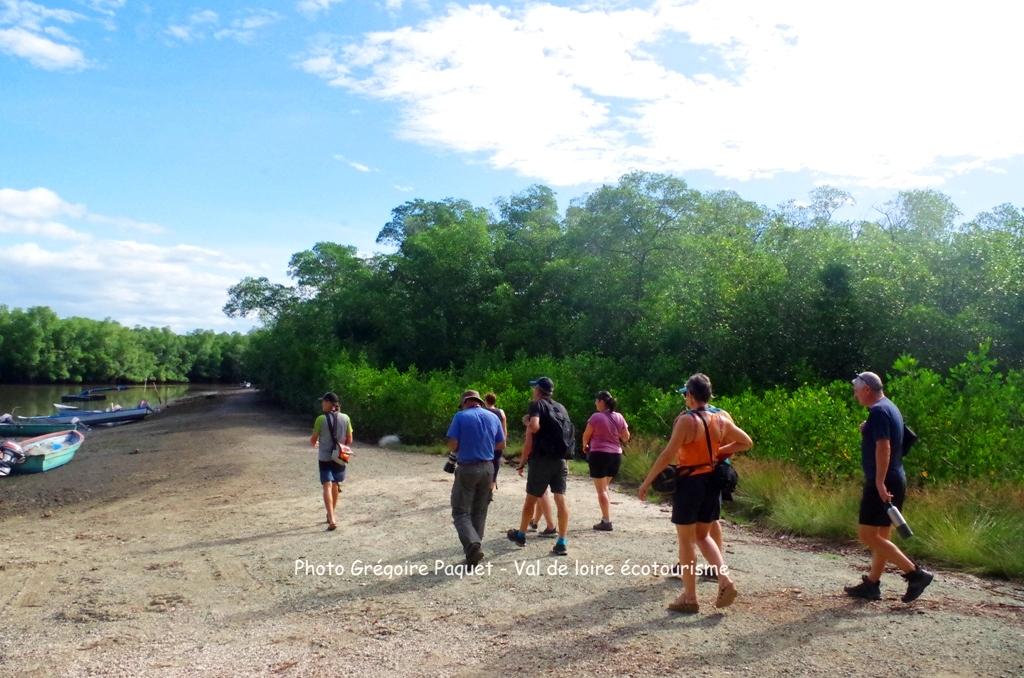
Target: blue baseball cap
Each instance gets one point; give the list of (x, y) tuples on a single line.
[(544, 384)]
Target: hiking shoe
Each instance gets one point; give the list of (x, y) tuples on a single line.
[(474, 555), (604, 526), (548, 532), (866, 589), (560, 548), (917, 582), (532, 527), (516, 536)]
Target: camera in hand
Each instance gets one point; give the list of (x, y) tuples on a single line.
[(449, 466)]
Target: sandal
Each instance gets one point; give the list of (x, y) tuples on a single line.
[(726, 596), (331, 527), (683, 607)]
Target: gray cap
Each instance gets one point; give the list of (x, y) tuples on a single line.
[(869, 379)]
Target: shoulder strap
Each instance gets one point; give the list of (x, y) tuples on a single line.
[(707, 436), (332, 418)]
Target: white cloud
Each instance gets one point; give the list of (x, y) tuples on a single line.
[(873, 93), (135, 282), (357, 166), (313, 7), (206, 23), (403, 188), (37, 33), (36, 203), (40, 50)]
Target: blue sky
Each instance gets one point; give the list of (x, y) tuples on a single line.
[(153, 154)]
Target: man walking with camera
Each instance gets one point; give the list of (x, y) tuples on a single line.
[(885, 484), (473, 437)]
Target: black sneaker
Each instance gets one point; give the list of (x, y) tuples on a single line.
[(516, 536), (532, 527), (560, 548), (603, 526), (917, 582), (548, 532), (866, 589), (474, 555)]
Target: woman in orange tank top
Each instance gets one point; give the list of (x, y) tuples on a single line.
[(699, 440)]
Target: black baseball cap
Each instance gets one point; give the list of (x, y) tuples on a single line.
[(544, 384)]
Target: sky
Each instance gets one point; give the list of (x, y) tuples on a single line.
[(153, 154)]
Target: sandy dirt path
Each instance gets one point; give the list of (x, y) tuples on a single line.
[(180, 559)]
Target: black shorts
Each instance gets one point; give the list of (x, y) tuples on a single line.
[(694, 501), (873, 509), (604, 464), (545, 472)]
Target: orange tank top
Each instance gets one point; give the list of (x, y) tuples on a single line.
[(694, 454)]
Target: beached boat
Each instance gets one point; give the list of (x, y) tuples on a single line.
[(17, 429), (91, 417), (48, 452)]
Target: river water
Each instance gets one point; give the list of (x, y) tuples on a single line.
[(33, 399)]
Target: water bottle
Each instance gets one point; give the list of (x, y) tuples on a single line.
[(899, 522), (449, 466)]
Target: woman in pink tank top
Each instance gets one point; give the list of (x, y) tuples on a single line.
[(602, 443)]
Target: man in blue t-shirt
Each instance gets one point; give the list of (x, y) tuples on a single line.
[(885, 483), (473, 437)]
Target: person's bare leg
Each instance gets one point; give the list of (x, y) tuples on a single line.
[(329, 503), (716, 534), (335, 492), (563, 514), (711, 553), (686, 534), (882, 550), (546, 509), (528, 506), (601, 486)]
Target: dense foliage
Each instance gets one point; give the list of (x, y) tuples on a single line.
[(664, 279), (37, 346), (638, 285)]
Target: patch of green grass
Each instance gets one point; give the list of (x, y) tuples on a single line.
[(975, 526)]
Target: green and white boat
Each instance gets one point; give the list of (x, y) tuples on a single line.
[(47, 452)]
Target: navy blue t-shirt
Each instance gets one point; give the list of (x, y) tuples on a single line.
[(884, 423), (478, 431)]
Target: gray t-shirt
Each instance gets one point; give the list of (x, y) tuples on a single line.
[(342, 426)]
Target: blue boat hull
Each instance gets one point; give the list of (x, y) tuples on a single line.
[(90, 418)]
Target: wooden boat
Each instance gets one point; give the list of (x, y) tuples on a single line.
[(48, 452), (84, 396), (68, 418), (25, 430), (90, 394)]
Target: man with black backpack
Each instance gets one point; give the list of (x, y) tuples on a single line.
[(550, 443)]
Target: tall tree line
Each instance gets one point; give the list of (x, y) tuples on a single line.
[(663, 277), (38, 346)]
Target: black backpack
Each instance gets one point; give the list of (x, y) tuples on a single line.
[(560, 440)]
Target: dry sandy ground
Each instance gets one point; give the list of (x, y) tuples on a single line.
[(180, 559)]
